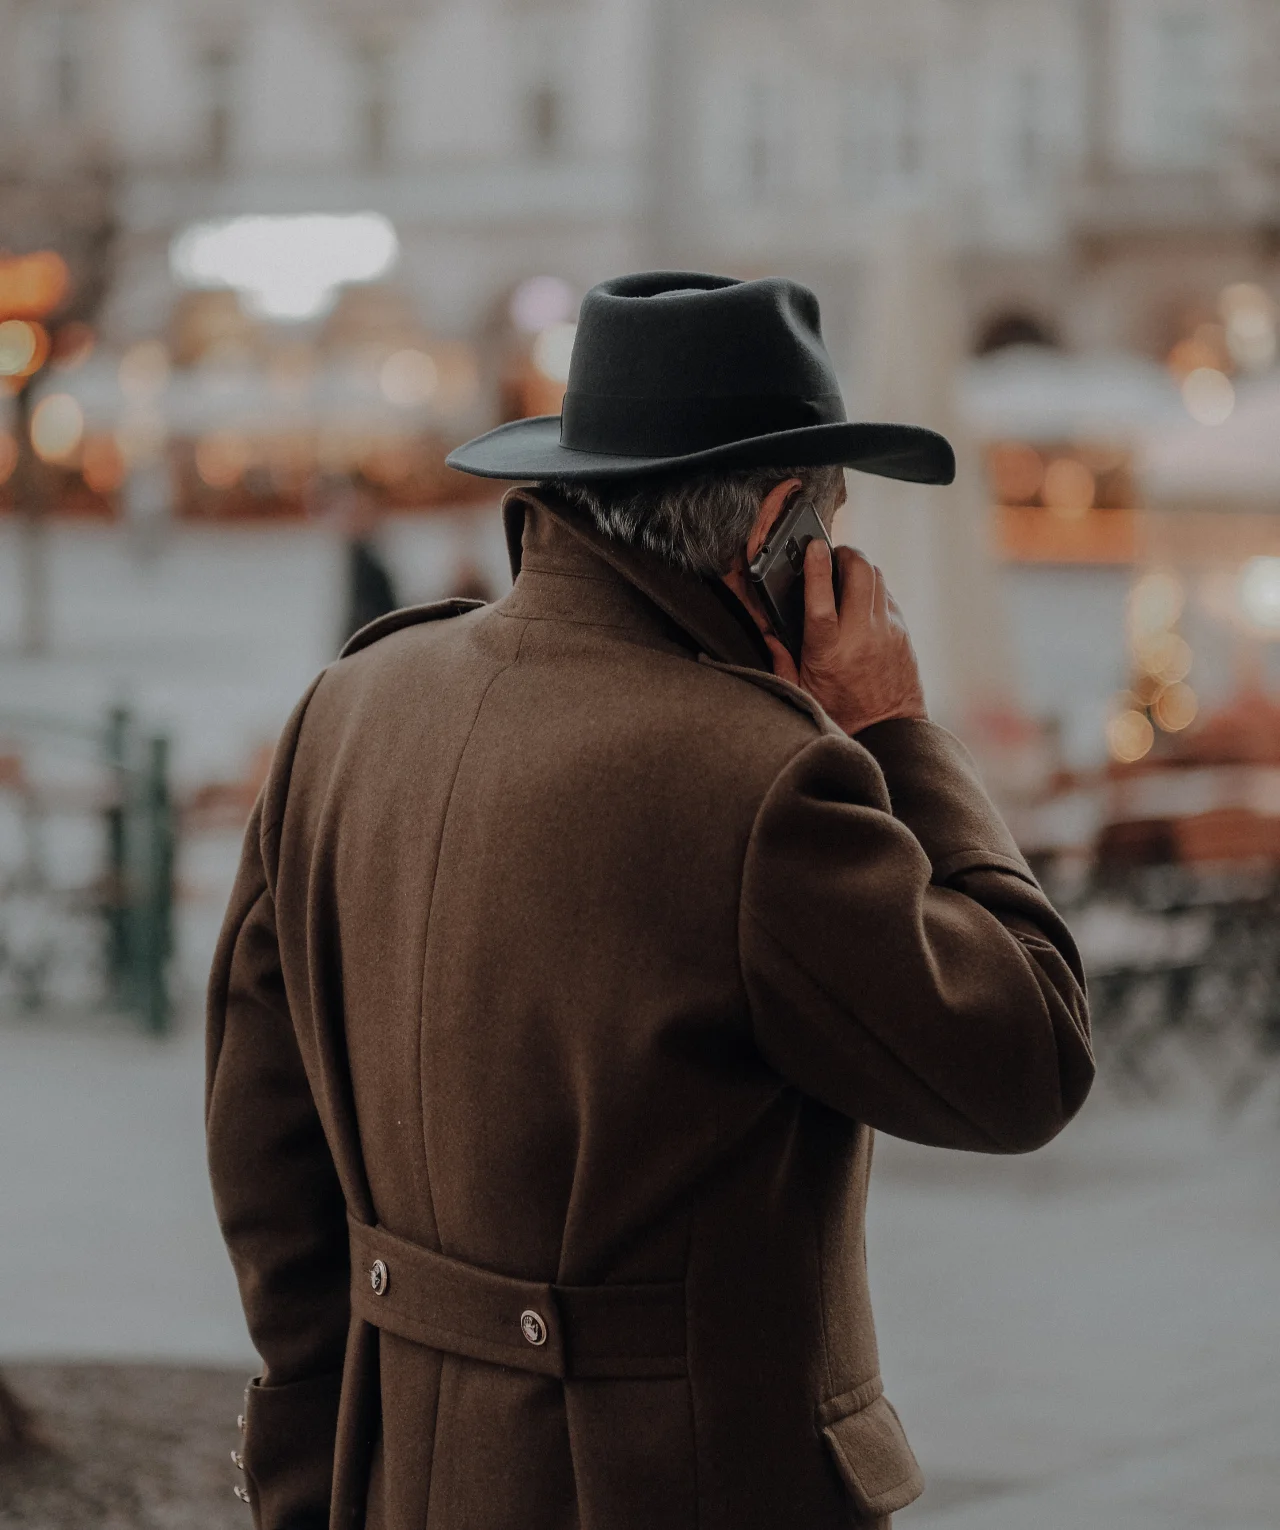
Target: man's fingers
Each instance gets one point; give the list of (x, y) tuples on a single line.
[(882, 603), (894, 611), (820, 619), (857, 583)]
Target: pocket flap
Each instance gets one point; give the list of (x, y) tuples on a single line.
[(871, 1450)]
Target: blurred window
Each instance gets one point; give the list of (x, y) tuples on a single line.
[(853, 138), (762, 145), (545, 118), (68, 82), (375, 95), (218, 65), (897, 138), (1185, 79), (1028, 138)]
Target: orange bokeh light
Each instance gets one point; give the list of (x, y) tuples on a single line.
[(1017, 471), (24, 348), (32, 286), (1070, 488), (222, 459), (102, 464)]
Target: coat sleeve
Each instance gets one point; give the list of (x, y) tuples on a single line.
[(901, 963), (279, 1204)]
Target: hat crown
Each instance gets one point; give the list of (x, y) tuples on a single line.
[(684, 371), (687, 334)]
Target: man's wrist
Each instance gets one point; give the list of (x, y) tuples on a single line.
[(861, 727)]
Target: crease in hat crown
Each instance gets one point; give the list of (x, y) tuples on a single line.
[(675, 369)]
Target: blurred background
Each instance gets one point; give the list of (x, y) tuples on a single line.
[(262, 266)]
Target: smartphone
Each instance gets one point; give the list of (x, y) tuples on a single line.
[(777, 572)]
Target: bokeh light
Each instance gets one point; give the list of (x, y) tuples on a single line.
[(1017, 472), (24, 345), (32, 286), (286, 267), (1155, 604), (222, 459), (1205, 348), (102, 464), (541, 301), (57, 426), (1130, 736), (1069, 488), (553, 350), (1251, 315), (1176, 708), (1209, 395), (409, 378), (1259, 593), (1165, 656)]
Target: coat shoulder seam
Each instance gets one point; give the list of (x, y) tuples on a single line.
[(407, 616), (790, 695)]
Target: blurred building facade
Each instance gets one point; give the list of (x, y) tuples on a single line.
[(1096, 178), (1100, 165)]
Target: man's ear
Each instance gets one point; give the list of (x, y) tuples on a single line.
[(771, 507)]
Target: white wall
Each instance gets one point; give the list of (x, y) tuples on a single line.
[(1147, 105), (298, 90), (156, 94)]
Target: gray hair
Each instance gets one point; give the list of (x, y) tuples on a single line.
[(698, 523)]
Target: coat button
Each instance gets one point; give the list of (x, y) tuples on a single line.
[(379, 1278), (240, 1493), (532, 1327), (240, 1422), (237, 1460)]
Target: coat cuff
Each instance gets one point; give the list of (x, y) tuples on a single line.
[(935, 790), (288, 1451)]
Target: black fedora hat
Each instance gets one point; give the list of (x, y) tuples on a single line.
[(678, 369)]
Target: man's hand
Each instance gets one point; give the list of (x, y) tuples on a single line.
[(857, 662)]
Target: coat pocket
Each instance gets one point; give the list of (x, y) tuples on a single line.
[(871, 1451)]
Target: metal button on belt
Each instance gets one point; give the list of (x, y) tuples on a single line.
[(379, 1278), (532, 1327)]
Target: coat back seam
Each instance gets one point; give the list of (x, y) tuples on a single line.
[(426, 925)]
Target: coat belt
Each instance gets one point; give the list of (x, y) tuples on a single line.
[(563, 1331)]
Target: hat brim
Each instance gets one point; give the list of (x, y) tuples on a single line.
[(531, 450)]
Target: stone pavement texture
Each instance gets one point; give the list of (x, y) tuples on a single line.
[(1086, 1337), (1089, 1336), (126, 1447)]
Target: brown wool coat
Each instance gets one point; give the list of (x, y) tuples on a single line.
[(572, 946)]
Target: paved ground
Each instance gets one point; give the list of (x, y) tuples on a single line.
[(1084, 1337), (1088, 1337), (126, 1447)]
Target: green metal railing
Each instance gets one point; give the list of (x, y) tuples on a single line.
[(130, 902)]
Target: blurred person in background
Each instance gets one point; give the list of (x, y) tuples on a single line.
[(580, 944), (370, 589)]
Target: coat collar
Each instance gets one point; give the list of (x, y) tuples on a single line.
[(553, 536)]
